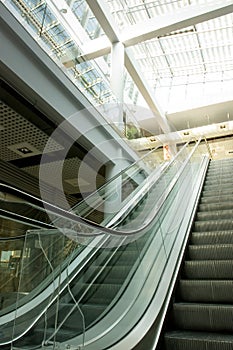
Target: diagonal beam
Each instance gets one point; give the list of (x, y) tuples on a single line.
[(134, 70), (101, 11), (95, 48), (185, 17)]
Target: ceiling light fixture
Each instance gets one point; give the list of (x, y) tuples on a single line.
[(24, 150)]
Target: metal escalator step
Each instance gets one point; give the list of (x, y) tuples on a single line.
[(100, 294), (203, 317), (126, 257), (221, 173), (212, 291), (220, 191), (215, 215), (221, 162), (209, 269), (215, 237), (218, 181), (72, 316), (91, 312), (216, 199), (73, 320), (216, 187), (224, 166), (211, 252), (121, 258), (112, 274), (218, 175), (213, 225), (41, 335), (215, 206), (180, 340)]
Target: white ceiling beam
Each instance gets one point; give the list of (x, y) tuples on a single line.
[(107, 22), (95, 48), (134, 70), (182, 18)]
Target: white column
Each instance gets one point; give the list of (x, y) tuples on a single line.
[(117, 85), (117, 70)]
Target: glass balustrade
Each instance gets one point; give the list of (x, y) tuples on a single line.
[(77, 274)]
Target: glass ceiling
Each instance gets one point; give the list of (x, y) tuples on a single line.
[(194, 56)]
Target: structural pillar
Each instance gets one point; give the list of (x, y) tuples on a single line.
[(116, 110)]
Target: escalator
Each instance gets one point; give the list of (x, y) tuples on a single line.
[(201, 315), (110, 277), (21, 213)]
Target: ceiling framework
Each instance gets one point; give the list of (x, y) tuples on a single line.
[(168, 44), (176, 41)]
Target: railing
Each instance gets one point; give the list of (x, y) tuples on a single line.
[(63, 256), (20, 212)]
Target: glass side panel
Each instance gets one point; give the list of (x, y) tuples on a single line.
[(11, 255), (47, 253)]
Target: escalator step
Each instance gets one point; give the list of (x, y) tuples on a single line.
[(223, 169), (215, 206), (210, 269), (101, 294), (121, 258), (216, 237), (213, 225), (224, 166), (215, 215), (206, 291), (180, 340), (211, 252), (216, 187), (221, 162), (113, 274), (72, 321), (91, 312), (218, 181), (221, 177), (216, 199), (203, 317), (73, 316), (62, 335), (219, 191)]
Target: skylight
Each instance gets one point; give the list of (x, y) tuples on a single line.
[(194, 60)]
